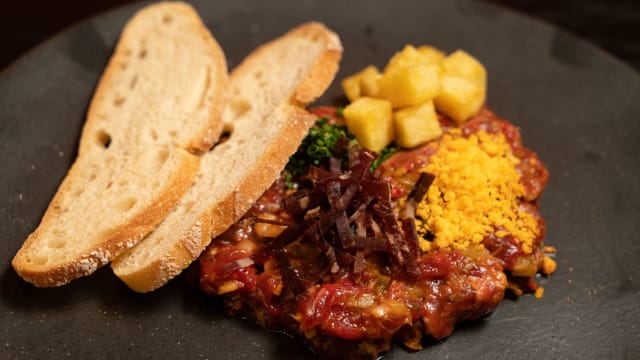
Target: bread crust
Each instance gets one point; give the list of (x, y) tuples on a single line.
[(97, 256), (261, 172), (325, 67), (211, 130), (111, 242)]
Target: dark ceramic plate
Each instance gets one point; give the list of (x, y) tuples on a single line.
[(577, 107)]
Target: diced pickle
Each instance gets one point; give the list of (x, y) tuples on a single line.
[(525, 266)]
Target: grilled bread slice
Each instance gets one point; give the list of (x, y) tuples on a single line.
[(265, 117), (158, 103)]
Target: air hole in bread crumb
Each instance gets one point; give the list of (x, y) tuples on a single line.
[(127, 204), (227, 131), (119, 100), (40, 260), (134, 81), (173, 133), (166, 18), (153, 134), (258, 75), (104, 139), (239, 106), (161, 158), (57, 244), (77, 192), (142, 54)]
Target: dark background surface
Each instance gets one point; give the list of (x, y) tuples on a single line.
[(613, 25)]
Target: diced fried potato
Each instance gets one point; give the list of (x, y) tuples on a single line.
[(363, 83), (460, 98), (369, 81), (351, 87), (431, 54), (370, 121), (460, 63), (411, 85), (416, 125), (408, 56)]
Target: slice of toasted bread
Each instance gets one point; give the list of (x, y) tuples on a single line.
[(159, 99), (265, 116)]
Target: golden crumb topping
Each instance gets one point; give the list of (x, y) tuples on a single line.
[(475, 193)]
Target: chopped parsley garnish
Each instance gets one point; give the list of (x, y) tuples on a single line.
[(386, 153), (319, 146)]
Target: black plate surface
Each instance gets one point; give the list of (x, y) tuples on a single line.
[(578, 107)]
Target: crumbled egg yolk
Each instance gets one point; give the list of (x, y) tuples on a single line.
[(474, 193)]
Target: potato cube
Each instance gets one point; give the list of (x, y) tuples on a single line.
[(416, 125), (370, 121), (369, 81), (431, 54), (460, 98), (351, 87), (363, 83), (412, 85), (408, 56), (460, 63)]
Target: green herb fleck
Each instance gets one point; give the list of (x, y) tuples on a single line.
[(288, 179), (386, 153), (317, 147)]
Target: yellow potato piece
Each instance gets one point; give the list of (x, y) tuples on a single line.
[(431, 54), (408, 56), (460, 63), (415, 83), (416, 125), (363, 83), (351, 87), (411, 85), (370, 121), (460, 98)]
